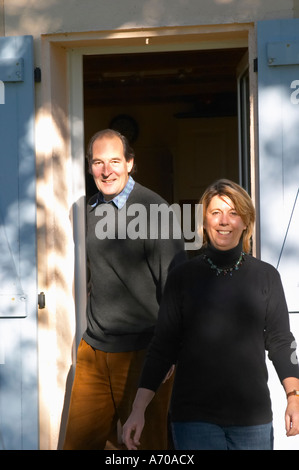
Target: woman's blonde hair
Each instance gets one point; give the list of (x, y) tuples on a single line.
[(242, 202)]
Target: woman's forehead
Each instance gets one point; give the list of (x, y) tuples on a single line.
[(221, 201)]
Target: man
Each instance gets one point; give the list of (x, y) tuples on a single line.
[(129, 261)]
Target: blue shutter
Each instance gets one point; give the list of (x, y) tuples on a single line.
[(278, 120), (18, 280)]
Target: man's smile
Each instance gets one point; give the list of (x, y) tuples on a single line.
[(109, 181)]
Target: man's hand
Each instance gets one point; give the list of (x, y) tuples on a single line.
[(169, 374)]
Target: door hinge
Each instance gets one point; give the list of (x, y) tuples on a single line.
[(37, 75), (41, 300), (255, 64)]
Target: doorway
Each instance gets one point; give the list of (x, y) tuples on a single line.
[(158, 114), (178, 109)]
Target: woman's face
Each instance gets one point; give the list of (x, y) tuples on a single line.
[(223, 224)]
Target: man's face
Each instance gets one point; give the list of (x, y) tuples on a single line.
[(109, 167)]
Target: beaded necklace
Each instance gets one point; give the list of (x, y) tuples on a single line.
[(225, 271)]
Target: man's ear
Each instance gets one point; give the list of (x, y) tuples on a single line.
[(130, 165)]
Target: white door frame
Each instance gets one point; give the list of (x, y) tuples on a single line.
[(60, 160)]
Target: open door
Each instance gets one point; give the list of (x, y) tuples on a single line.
[(18, 280), (244, 123), (278, 96)]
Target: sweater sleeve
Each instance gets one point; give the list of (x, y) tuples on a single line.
[(164, 247), (164, 347), (279, 340)]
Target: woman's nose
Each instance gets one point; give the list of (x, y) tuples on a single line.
[(223, 219)]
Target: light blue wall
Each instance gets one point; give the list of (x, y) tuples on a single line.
[(278, 123), (278, 96)]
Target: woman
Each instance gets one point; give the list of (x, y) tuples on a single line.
[(219, 313)]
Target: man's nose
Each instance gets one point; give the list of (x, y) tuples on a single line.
[(106, 170)]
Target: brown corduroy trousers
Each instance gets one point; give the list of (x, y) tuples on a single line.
[(104, 389)]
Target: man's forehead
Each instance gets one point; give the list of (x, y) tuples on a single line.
[(112, 143)]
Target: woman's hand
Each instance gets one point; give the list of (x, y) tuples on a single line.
[(292, 416), (133, 428), (135, 423)]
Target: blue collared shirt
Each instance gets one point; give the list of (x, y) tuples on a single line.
[(121, 198)]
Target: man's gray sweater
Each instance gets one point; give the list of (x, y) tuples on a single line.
[(129, 263)]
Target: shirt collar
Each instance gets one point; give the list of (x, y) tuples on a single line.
[(121, 198)]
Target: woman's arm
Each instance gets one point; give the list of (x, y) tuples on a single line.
[(158, 368), (281, 346), (134, 425)]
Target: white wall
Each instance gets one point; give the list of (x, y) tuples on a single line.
[(42, 17), (37, 17)]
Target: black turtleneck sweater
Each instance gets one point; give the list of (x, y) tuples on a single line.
[(216, 328)]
